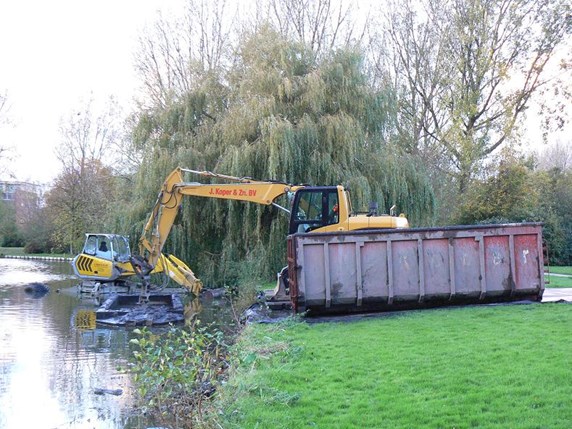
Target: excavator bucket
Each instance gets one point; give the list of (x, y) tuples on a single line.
[(179, 272), (279, 297)]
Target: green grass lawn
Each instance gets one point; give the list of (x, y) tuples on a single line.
[(561, 270), (558, 280), (19, 251), (12, 251), (469, 367)]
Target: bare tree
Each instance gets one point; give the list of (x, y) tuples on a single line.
[(321, 24), (4, 120), (557, 155), (465, 72), (174, 53), (82, 196), (88, 135), (4, 109)]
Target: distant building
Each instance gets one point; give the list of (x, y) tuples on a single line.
[(25, 198)]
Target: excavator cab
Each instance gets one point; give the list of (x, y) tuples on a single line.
[(104, 258), (314, 208), (110, 247)]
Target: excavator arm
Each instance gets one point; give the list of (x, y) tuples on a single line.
[(169, 200)]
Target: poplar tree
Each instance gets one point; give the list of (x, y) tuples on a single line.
[(467, 70)]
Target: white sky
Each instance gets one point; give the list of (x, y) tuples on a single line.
[(53, 54)]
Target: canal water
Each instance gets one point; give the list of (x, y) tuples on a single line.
[(52, 361)]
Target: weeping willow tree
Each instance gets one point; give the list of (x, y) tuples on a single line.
[(277, 113)]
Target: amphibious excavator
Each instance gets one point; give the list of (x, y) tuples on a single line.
[(106, 258)]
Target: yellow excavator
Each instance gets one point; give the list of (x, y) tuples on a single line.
[(313, 209), (106, 260)]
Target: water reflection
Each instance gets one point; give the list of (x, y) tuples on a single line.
[(49, 366)]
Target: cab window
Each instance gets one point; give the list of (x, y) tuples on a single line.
[(90, 246), (314, 209), (333, 208), (104, 248), (121, 248), (310, 207)]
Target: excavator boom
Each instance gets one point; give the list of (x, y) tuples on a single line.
[(165, 210)]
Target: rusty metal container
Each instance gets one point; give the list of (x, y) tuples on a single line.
[(381, 270)]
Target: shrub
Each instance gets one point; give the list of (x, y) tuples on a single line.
[(177, 371)]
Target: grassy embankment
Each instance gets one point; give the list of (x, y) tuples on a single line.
[(19, 251), (485, 367), (12, 251), (559, 280), (561, 270)]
